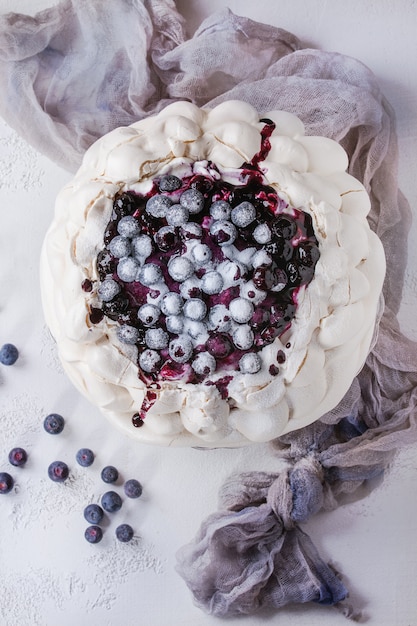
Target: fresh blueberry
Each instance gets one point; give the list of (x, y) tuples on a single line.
[(191, 230), (124, 533), (149, 274), (128, 226), (93, 534), (243, 337), (201, 253), (220, 318), (169, 182), (18, 457), (111, 501), (8, 354), (195, 309), (174, 324), (250, 363), (142, 246), (124, 204), (58, 471), (262, 233), (212, 282), (284, 226), (109, 474), (6, 482), (219, 346), (172, 303), (158, 205), (166, 238), (204, 364), (54, 424), (93, 513), (193, 200), (241, 310), (85, 457), (120, 246), (133, 488)]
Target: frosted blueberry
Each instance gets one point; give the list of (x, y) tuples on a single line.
[(166, 238), (149, 360), (261, 257), (191, 230), (128, 226), (8, 354), (243, 337), (180, 268), (142, 246), (190, 288), (241, 310), (223, 232), (148, 314), (127, 269), (180, 349), (262, 233), (128, 334), (204, 364), (149, 274), (249, 291), (174, 324), (220, 318), (195, 309), (171, 303), (197, 330), (220, 210), (201, 253), (120, 246), (243, 214), (108, 289), (158, 205), (169, 182), (232, 271), (156, 338), (193, 200), (250, 363), (212, 283), (177, 215)]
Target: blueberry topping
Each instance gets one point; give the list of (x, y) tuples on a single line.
[(223, 233), (156, 338), (108, 290), (149, 361), (172, 303), (54, 424), (241, 310), (128, 226), (127, 269), (128, 334), (191, 230), (220, 318), (85, 457), (174, 324), (169, 183), (204, 364), (111, 501), (201, 254), (93, 513), (18, 457), (243, 214), (58, 471), (124, 204), (180, 349), (250, 363), (158, 205), (166, 238), (120, 246), (6, 482), (93, 534), (149, 274), (8, 354), (243, 337), (177, 215), (124, 533), (109, 474), (195, 309), (192, 200), (142, 246), (219, 346), (149, 314), (262, 233), (220, 210), (180, 268), (212, 282), (133, 488)]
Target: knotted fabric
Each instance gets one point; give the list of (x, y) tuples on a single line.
[(73, 73)]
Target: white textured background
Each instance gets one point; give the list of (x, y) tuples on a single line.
[(49, 575)]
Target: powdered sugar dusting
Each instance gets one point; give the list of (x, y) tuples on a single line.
[(19, 165)]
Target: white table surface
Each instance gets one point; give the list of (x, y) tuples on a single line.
[(49, 574)]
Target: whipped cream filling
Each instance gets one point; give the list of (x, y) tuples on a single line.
[(328, 339)]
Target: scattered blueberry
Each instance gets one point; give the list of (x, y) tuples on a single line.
[(109, 474), (54, 424), (93, 513), (250, 363), (124, 533), (85, 457), (6, 482), (58, 471), (93, 534), (8, 354), (111, 501), (133, 488), (18, 457)]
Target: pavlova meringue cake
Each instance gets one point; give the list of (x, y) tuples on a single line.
[(210, 277)]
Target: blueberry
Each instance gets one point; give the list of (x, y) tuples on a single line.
[(250, 363), (223, 232), (166, 238), (243, 214), (149, 274), (204, 364), (128, 226), (142, 246), (180, 349), (158, 205), (156, 338), (8, 354), (262, 233), (54, 424), (124, 533), (201, 254), (219, 346), (127, 269), (149, 361), (172, 303), (6, 482), (124, 204), (191, 230), (93, 534), (120, 246), (109, 474), (212, 282), (18, 457), (261, 257), (111, 501), (220, 210), (174, 324), (220, 318), (93, 513), (133, 488), (58, 471), (148, 314), (284, 226), (169, 182), (85, 457), (177, 215), (193, 200), (241, 310), (264, 278), (108, 290), (195, 309), (243, 337), (128, 334), (180, 268)]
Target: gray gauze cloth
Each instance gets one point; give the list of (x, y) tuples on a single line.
[(73, 73)]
